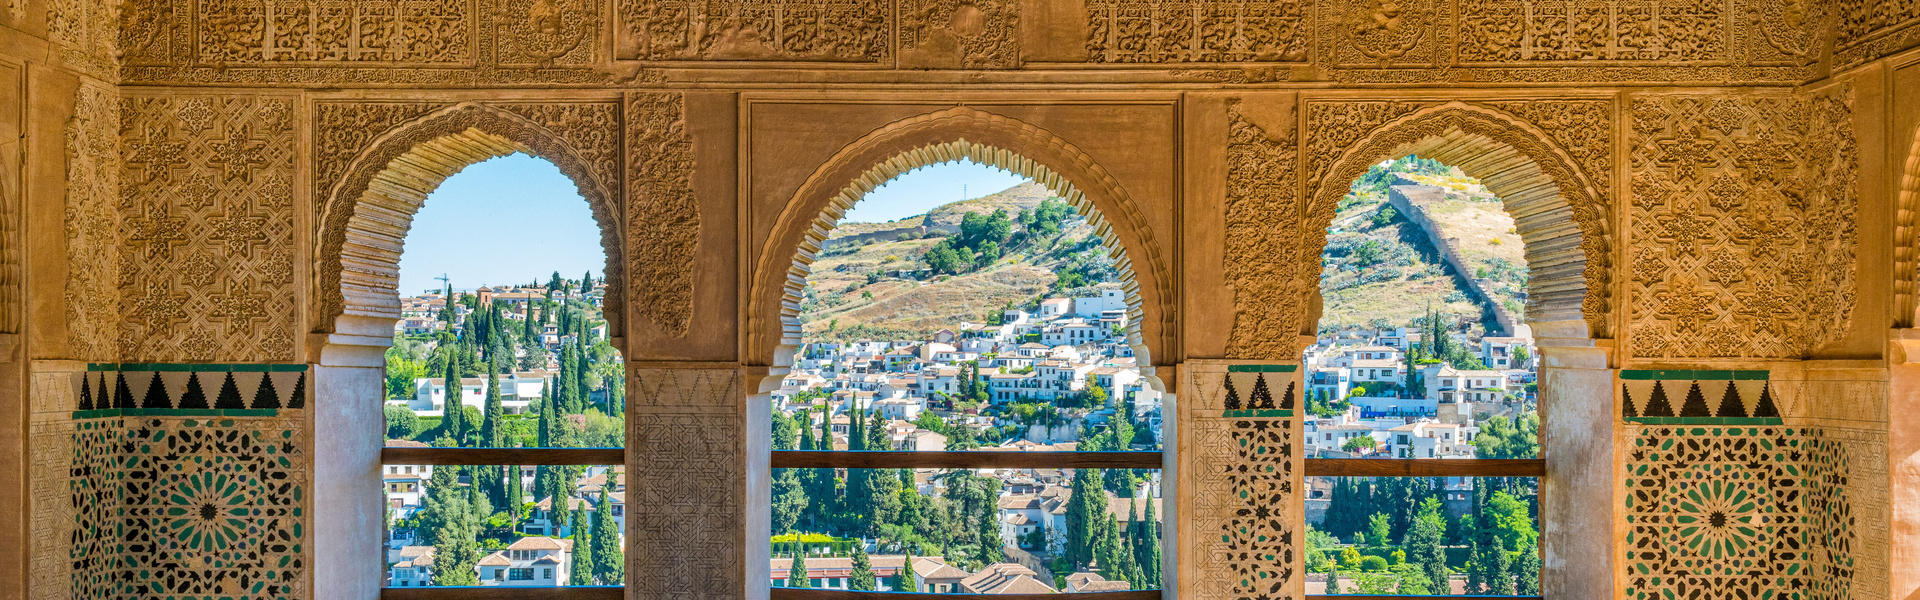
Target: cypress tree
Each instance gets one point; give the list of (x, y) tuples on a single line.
[(609, 562), (493, 434), (581, 572), (516, 497), (1085, 508), (1526, 572), (797, 572), (862, 577), (1149, 554), (548, 419), (586, 281), (453, 413), (903, 579)]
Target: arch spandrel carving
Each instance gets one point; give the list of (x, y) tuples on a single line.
[(367, 211), (942, 136), (1560, 212)]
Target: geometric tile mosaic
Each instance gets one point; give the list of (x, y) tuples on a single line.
[(190, 390), (1243, 472), (1738, 513), (172, 502), (1250, 391), (1698, 398)]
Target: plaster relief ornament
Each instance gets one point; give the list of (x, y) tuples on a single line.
[(545, 30), (1384, 30), (955, 34), (806, 30)]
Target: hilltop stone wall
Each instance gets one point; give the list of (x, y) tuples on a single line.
[(1405, 198)]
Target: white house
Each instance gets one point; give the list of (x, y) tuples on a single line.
[(415, 568), (529, 562), (430, 395), (1451, 385), (1497, 352)]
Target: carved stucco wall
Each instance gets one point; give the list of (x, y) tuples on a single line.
[(620, 41), (207, 228), (92, 221), (1742, 218), (209, 180)]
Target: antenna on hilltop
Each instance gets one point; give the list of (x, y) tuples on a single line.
[(963, 191)]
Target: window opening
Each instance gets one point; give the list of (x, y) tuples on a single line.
[(505, 402), (965, 413), (1422, 429)]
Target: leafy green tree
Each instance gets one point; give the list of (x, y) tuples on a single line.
[(1411, 581), (1355, 444), (1504, 438), (609, 561), (1423, 548), (402, 424), (1318, 544), (516, 495), (401, 374), (1379, 528), (862, 577), (789, 500), (463, 512)]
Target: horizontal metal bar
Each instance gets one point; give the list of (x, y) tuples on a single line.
[(1426, 467), (600, 592), (1394, 597), (783, 593), (503, 456), (823, 459)]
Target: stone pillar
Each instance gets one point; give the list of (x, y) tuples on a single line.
[(349, 524), (1903, 454), (1237, 446), (688, 512), (1577, 438)]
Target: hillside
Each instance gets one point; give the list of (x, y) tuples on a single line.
[(873, 279), (1381, 270)]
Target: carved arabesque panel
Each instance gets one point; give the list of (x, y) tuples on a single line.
[(1262, 198), (1870, 29), (242, 32), (209, 229), (663, 217), (92, 222), (1196, 31), (959, 34), (1743, 217), (761, 30)]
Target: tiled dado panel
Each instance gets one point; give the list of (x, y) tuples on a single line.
[(1241, 464), (1726, 499), (171, 481)]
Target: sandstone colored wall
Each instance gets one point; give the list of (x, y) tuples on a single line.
[(191, 185)]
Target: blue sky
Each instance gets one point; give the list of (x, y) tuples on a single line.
[(926, 187), (509, 220), (516, 219)]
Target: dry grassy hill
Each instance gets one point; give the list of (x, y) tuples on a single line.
[(1380, 270), (853, 290)]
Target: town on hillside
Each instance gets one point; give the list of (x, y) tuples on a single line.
[(1421, 355), (1055, 375), (502, 367)]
